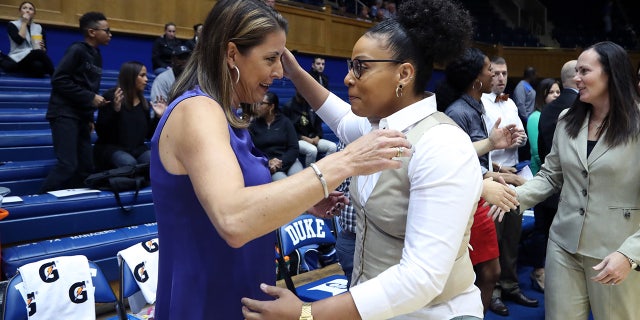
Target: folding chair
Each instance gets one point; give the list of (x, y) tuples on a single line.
[(304, 231), (128, 284), (15, 308)]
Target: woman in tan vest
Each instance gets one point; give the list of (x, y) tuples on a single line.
[(411, 258)]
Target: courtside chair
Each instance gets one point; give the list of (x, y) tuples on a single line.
[(128, 283), (15, 308), (303, 231)]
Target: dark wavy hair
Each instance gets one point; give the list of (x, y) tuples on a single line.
[(543, 90), (424, 32), (459, 75), (127, 77), (623, 121)]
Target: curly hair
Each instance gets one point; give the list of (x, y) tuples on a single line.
[(425, 32), (459, 75)]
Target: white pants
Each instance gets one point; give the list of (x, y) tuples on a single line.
[(310, 151), (295, 168), (570, 294)]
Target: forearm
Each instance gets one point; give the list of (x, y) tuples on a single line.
[(483, 147), (254, 211)]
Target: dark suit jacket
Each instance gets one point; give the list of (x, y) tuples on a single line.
[(549, 119)]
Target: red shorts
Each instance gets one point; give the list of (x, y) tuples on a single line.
[(484, 240)]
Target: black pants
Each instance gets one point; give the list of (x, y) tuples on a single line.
[(544, 213), (72, 147), (36, 64)]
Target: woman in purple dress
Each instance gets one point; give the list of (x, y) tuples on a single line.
[(215, 207)]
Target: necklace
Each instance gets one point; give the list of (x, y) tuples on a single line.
[(597, 125)]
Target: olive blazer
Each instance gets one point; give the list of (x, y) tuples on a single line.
[(599, 208)]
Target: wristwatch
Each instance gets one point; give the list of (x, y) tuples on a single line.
[(634, 265), (306, 311)]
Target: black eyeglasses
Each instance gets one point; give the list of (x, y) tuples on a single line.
[(107, 30), (263, 102), (355, 65)]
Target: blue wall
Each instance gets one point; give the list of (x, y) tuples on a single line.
[(121, 49), (126, 47)]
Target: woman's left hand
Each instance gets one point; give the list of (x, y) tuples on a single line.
[(614, 268), (286, 305), (330, 206)]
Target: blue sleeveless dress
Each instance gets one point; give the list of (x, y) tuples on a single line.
[(200, 276)]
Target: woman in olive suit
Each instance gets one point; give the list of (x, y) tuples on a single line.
[(594, 241)]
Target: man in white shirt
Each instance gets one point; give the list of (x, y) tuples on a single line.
[(498, 105)]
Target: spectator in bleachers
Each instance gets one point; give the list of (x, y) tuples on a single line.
[(498, 105), (215, 205), (270, 3), (74, 99), (274, 135), (28, 51), (309, 129), (163, 83), (317, 71), (459, 96), (390, 13), (594, 241), (548, 90), (124, 124), (197, 31), (524, 95), (411, 262), (364, 13), (163, 47)]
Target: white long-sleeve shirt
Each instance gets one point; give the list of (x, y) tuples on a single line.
[(508, 112), (445, 188)]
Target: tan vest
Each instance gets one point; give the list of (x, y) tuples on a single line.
[(381, 224)]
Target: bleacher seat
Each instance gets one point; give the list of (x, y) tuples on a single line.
[(45, 216), (24, 177), (101, 247)]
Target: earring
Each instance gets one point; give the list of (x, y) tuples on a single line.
[(238, 71), (399, 91), (474, 85)]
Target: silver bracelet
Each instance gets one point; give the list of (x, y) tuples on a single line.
[(321, 178)]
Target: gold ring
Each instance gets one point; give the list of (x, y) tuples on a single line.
[(400, 151)]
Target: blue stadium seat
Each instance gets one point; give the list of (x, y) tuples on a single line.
[(15, 308), (101, 247)]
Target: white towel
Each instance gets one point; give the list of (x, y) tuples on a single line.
[(142, 259), (59, 288)]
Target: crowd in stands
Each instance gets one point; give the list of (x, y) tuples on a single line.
[(590, 109)]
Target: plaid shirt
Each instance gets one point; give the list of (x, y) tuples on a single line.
[(347, 218)]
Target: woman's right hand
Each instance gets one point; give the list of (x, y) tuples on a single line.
[(26, 18), (376, 151), (499, 193)]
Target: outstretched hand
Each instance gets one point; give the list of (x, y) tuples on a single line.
[(377, 151), (330, 206), (502, 138), (285, 306), (498, 193)]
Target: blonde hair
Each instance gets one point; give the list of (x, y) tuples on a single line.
[(246, 23)]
